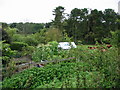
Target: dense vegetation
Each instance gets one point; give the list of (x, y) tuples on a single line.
[(90, 68)]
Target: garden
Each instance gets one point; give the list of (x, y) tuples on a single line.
[(95, 63), (89, 69)]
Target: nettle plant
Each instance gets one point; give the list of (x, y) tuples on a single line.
[(46, 52)]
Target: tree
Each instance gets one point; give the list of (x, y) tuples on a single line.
[(90, 26), (95, 28), (53, 34), (11, 31), (5, 36), (77, 23), (110, 18), (13, 25), (75, 15), (59, 17), (27, 28)]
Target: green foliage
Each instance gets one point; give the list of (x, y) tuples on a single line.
[(81, 24), (7, 54), (30, 40), (90, 69), (52, 75), (11, 31), (107, 40), (54, 47), (18, 38), (27, 28), (49, 52), (46, 52), (41, 53), (9, 70), (0, 45), (79, 42), (40, 36), (92, 26), (65, 37), (115, 40), (18, 46), (28, 50), (59, 16), (53, 34), (5, 37)]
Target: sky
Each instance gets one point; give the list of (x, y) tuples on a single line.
[(40, 11)]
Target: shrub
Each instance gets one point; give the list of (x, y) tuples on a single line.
[(28, 50), (31, 40), (11, 31), (18, 46), (7, 54), (18, 38), (54, 47), (107, 40), (53, 34), (116, 38), (47, 52)]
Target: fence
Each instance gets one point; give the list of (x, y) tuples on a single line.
[(31, 64)]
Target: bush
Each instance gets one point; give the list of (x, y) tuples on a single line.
[(18, 46), (7, 54), (18, 38), (28, 50), (116, 38), (107, 40), (47, 52), (54, 47), (53, 34), (11, 31), (31, 40)]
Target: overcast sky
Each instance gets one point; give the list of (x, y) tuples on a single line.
[(40, 11)]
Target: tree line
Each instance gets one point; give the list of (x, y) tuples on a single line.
[(81, 25), (87, 25)]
